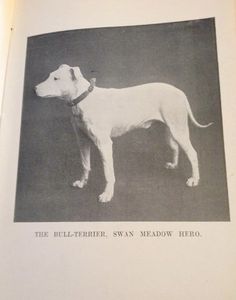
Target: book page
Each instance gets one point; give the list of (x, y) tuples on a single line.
[(117, 151), (6, 16)]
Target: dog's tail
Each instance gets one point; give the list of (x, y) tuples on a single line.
[(192, 118)]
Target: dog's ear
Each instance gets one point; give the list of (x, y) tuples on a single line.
[(75, 73), (63, 66)]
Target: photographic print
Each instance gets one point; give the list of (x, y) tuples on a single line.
[(122, 124)]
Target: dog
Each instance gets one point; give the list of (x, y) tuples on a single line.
[(99, 114)]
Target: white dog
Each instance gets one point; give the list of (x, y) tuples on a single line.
[(100, 114)]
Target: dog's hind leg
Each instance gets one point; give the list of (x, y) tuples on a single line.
[(183, 140), (178, 125), (175, 149), (176, 118)]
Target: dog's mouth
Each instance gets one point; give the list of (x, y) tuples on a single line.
[(39, 94), (46, 96)]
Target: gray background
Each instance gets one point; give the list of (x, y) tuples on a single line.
[(183, 54)]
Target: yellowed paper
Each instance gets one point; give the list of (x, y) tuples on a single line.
[(6, 16), (42, 260)]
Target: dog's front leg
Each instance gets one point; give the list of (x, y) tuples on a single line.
[(84, 147), (104, 145)]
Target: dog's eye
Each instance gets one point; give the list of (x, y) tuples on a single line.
[(56, 78)]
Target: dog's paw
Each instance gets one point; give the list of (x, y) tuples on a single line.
[(192, 182), (170, 166), (79, 183), (105, 197)]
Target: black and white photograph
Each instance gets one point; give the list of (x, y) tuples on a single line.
[(123, 124)]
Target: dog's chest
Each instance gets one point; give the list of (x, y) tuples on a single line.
[(79, 119)]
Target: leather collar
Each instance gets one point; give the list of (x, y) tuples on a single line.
[(84, 94)]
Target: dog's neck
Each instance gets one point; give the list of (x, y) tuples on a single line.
[(74, 101), (81, 86)]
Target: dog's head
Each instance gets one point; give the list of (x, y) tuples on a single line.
[(61, 83)]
